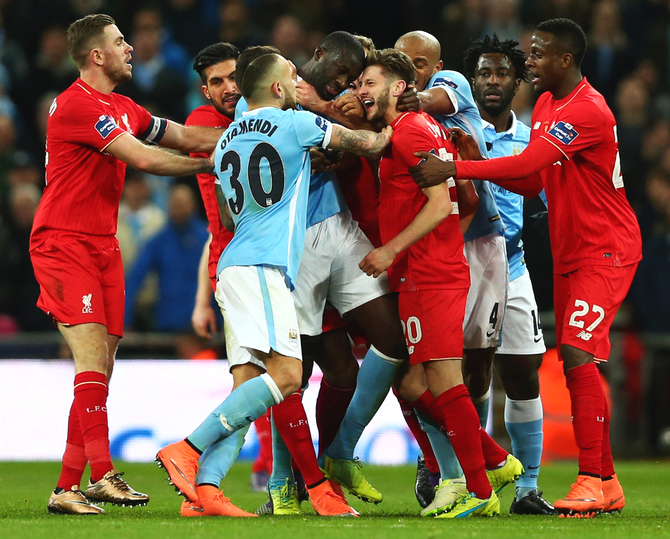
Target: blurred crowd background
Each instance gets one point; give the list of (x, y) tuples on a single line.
[(161, 222)]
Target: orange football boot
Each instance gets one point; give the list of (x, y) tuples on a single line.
[(326, 502), (585, 499), (613, 495), (214, 503), (180, 461)]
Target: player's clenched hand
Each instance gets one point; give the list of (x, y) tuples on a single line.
[(322, 162), (377, 261), (350, 105), (431, 170), (308, 98), (388, 133), (409, 100), (203, 320), (468, 149)]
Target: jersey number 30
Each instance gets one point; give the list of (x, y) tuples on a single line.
[(263, 198)]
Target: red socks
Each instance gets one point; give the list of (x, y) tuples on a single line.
[(74, 458), (331, 405), (587, 402), (461, 423), (264, 434), (90, 402), (493, 453), (420, 436), (607, 463), (291, 423)]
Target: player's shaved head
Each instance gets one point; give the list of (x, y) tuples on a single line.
[(267, 81), (423, 41), (424, 50), (247, 56)]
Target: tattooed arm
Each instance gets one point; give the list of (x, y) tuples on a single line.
[(365, 143), (224, 212)]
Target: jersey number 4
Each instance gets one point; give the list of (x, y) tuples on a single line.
[(265, 199)]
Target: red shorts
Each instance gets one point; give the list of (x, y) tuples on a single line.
[(81, 279), (586, 302), (433, 323), (332, 320)]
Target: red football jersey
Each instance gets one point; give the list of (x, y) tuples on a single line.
[(360, 190), (208, 116), (83, 182), (437, 259), (590, 219)]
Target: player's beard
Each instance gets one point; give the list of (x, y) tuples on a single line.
[(289, 102), (382, 103), (118, 74)]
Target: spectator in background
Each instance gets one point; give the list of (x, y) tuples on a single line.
[(288, 36), (192, 23), (139, 218), (236, 25), (157, 85), (608, 58), (173, 254), (54, 70), (19, 289), (463, 21), (650, 293), (632, 106), (503, 19)]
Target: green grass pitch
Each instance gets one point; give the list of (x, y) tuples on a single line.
[(25, 487)]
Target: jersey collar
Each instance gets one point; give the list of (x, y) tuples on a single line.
[(486, 126)]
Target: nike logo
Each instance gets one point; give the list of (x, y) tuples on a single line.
[(195, 508), (490, 333), (182, 474), (225, 423), (612, 502), (538, 339), (533, 467)]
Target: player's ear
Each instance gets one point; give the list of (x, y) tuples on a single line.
[(399, 87), (206, 91), (438, 66), (567, 60), (96, 57)]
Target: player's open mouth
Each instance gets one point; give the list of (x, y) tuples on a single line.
[(332, 91), (232, 99), (368, 103)]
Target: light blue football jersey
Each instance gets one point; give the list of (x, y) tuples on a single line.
[(325, 196), (510, 142), (487, 219), (262, 164)]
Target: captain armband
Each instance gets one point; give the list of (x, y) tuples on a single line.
[(154, 133)]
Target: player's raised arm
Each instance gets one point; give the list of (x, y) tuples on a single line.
[(365, 143), (154, 160), (191, 138)]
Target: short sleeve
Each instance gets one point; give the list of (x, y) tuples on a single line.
[(89, 125), (457, 89), (577, 128), (414, 139), (312, 130)]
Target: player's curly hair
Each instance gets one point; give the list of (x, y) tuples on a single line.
[(394, 62), (489, 44), (212, 55)]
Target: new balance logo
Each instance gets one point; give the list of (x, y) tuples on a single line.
[(86, 300), (585, 335)]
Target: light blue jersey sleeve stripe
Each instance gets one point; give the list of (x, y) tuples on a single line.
[(267, 306)]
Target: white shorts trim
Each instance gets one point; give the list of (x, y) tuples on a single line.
[(485, 308), (522, 330), (258, 313), (329, 272)]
